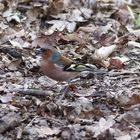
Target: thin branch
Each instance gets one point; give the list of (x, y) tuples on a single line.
[(33, 92)]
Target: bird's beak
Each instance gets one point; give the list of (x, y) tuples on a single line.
[(39, 51)]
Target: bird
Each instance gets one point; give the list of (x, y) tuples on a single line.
[(55, 57), (60, 68)]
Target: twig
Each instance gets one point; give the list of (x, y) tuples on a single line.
[(19, 133), (55, 121), (133, 107), (29, 124), (122, 73), (33, 92)]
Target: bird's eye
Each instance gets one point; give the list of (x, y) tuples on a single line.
[(42, 49)]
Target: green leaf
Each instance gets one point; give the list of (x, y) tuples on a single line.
[(137, 21)]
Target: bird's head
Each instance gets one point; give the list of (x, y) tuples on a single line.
[(51, 55)]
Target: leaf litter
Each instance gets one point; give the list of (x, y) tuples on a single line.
[(101, 33)]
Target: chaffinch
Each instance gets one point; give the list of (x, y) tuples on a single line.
[(55, 57), (60, 68)]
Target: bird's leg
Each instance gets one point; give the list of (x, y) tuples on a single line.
[(63, 91), (69, 87)]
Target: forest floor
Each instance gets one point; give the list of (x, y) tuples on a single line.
[(105, 34)]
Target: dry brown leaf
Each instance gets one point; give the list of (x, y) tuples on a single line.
[(133, 100), (121, 15), (14, 64), (47, 41), (115, 63), (33, 13), (55, 7)]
